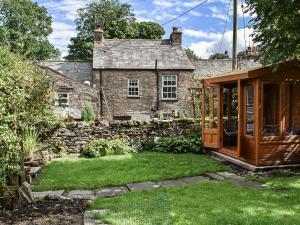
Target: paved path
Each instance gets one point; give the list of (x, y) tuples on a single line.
[(115, 191)]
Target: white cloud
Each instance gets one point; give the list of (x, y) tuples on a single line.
[(206, 48), (202, 34)]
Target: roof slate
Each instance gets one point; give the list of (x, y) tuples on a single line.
[(140, 54), (215, 68)]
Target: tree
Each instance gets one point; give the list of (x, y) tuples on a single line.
[(116, 19), (25, 102), (276, 29), (219, 56), (191, 54), (24, 28)]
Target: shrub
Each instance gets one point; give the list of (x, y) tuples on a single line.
[(88, 113), (96, 148), (179, 144), (121, 146), (56, 150), (102, 147)]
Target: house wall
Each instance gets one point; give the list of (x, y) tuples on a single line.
[(115, 87), (78, 94)]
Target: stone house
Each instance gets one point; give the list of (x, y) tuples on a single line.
[(71, 95), (139, 77), (133, 78)]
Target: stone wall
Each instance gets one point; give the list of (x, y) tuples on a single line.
[(115, 87), (74, 136)]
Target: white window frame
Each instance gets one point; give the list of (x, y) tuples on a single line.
[(176, 86), (131, 86), (57, 99)]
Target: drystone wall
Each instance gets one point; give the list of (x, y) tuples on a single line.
[(74, 136)]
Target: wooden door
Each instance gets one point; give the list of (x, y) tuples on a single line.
[(211, 116)]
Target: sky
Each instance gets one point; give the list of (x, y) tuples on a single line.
[(202, 28)]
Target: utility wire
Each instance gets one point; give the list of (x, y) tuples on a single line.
[(225, 26), (167, 22)]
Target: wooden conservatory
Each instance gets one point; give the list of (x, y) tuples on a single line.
[(254, 116)]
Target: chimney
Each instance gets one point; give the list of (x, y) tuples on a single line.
[(176, 36), (98, 36)]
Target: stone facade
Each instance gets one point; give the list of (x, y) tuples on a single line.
[(75, 136), (78, 94), (117, 104)]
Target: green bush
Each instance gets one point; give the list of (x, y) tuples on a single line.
[(30, 141), (88, 113), (102, 147), (120, 147), (179, 144)]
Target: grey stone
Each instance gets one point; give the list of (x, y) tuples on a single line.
[(231, 176), (82, 194), (143, 186), (26, 192), (34, 171), (253, 185), (172, 183), (111, 191), (215, 176), (191, 180), (43, 194)]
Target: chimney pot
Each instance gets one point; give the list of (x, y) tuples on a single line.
[(98, 35)]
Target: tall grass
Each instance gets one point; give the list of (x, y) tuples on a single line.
[(30, 141)]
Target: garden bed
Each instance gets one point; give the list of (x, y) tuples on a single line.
[(47, 212)]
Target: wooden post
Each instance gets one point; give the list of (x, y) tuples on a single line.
[(240, 118), (234, 44)]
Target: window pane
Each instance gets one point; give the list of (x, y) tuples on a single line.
[(169, 87), (292, 122), (250, 110), (207, 107), (215, 108), (271, 100)]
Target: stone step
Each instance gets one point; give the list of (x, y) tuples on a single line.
[(34, 171), (231, 176)]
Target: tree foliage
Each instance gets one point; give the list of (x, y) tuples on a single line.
[(276, 29), (191, 54), (25, 101), (218, 56), (24, 28), (116, 19)]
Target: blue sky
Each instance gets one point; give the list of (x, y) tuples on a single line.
[(202, 28)]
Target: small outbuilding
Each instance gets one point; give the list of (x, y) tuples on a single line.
[(254, 115)]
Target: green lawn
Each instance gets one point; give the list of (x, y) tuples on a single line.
[(208, 203), (68, 174)]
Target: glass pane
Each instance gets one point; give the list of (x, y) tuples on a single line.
[(215, 108), (207, 107), (250, 110), (292, 122), (271, 100)]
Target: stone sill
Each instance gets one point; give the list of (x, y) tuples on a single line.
[(169, 100), (134, 97)]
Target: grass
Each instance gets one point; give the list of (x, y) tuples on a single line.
[(68, 174), (207, 203)]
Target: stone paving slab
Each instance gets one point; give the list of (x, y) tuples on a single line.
[(82, 194), (253, 185), (191, 180), (166, 183), (215, 176), (143, 186), (231, 176), (43, 194), (111, 191)]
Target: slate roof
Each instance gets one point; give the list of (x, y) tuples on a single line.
[(140, 54), (218, 67), (77, 70)]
